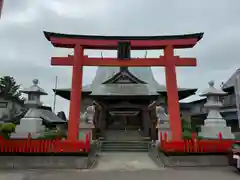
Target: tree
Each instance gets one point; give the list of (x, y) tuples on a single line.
[(9, 89)]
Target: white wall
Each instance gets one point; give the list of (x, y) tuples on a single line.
[(6, 111)]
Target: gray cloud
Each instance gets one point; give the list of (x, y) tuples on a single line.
[(25, 53)]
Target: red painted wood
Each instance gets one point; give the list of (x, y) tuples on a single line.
[(1, 7), (169, 61), (40, 146), (172, 95), (75, 101), (112, 44), (87, 61), (194, 145)]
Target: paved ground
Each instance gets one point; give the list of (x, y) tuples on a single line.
[(125, 161), (167, 174), (125, 166)]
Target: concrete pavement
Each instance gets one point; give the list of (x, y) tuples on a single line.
[(179, 174), (125, 161), (124, 166)]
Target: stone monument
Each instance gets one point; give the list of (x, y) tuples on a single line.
[(163, 125), (214, 124), (31, 122), (86, 122)]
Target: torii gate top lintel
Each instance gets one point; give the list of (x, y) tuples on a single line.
[(111, 42)]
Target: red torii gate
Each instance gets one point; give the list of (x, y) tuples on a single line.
[(78, 60), (1, 6)]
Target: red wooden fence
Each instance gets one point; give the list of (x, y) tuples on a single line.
[(195, 145), (43, 146)]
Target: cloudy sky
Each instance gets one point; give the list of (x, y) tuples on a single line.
[(25, 53)]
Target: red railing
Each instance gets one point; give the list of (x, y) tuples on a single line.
[(195, 145), (30, 145)]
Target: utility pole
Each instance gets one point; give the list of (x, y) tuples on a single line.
[(54, 100)]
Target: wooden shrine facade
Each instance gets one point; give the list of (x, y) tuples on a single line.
[(124, 45)]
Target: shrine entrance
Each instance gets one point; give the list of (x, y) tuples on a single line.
[(124, 120), (124, 125), (124, 45)]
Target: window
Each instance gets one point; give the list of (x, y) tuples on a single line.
[(3, 104)]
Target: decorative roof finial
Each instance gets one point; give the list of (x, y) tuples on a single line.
[(211, 83), (35, 82)]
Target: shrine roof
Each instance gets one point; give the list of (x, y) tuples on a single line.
[(231, 81), (124, 90), (143, 73), (152, 88), (46, 115)]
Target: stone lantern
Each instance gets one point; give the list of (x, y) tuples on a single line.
[(214, 124), (34, 93), (31, 122)]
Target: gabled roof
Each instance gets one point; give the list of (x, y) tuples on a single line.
[(143, 73), (231, 81), (124, 77), (104, 74)]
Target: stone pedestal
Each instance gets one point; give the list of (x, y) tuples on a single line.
[(215, 124), (163, 124), (85, 128), (162, 129), (28, 125)]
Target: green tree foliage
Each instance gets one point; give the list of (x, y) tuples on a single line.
[(186, 129), (9, 89), (6, 129)]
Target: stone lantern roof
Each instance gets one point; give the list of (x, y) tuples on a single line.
[(34, 92), (34, 89), (212, 91)]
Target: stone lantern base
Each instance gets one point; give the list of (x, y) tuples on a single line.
[(211, 130)]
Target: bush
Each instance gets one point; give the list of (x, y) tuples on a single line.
[(186, 129), (7, 127), (52, 135)]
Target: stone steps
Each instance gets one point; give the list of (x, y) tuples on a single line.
[(124, 146)]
